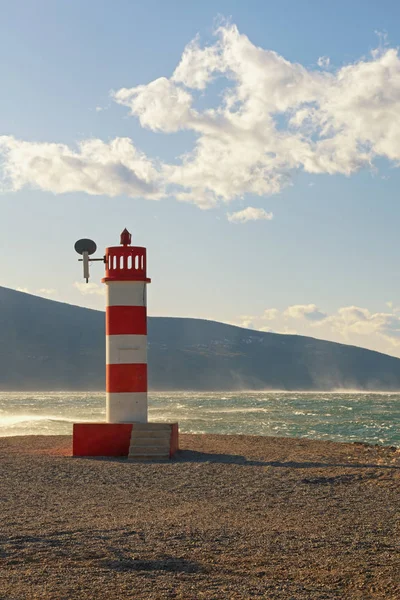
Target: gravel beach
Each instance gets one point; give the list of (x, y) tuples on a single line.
[(230, 517)]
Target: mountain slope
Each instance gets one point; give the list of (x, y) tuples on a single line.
[(51, 345)]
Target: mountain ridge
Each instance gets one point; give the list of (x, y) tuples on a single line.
[(47, 344)]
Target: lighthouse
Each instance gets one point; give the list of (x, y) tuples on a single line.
[(126, 430), (126, 332)]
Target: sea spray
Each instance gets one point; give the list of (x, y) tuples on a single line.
[(346, 417)]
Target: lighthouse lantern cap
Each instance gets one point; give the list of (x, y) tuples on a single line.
[(126, 238)]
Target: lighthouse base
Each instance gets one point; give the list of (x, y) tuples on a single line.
[(138, 441)]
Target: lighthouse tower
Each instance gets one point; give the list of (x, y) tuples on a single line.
[(126, 332), (126, 430)]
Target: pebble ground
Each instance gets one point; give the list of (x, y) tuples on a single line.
[(230, 517)]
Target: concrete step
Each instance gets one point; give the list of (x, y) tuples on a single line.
[(138, 452), (150, 441), (151, 434), (151, 427), (148, 457), (149, 450)]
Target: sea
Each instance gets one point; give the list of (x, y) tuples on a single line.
[(339, 416)]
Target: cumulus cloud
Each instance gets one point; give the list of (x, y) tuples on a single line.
[(161, 105), (198, 66), (351, 324), (305, 311), (89, 289), (97, 167), (355, 320), (246, 321), (273, 117), (270, 314), (249, 214)]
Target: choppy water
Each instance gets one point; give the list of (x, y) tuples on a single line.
[(373, 418)]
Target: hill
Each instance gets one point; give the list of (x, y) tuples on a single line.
[(48, 345)]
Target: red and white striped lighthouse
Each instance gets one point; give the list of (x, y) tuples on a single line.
[(126, 332), (126, 431)]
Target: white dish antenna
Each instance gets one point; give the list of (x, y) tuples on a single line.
[(86, 248)]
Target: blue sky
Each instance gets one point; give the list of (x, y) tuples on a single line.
[(325, 265)]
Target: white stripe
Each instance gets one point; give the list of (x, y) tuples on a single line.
[(126, 293), (126, 349), (126, 407)]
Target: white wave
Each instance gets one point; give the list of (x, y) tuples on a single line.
[(216, 411), (12, 420), (257, 413)]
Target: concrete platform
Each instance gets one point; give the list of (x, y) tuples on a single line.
[(138, 441)]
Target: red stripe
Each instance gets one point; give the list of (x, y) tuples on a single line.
[(126, 378), (126, 320)]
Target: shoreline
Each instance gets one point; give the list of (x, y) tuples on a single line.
[(66, 441), (232, 516), (48, 443), (213, 391)]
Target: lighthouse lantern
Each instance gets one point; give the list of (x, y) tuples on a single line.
[(126, 238)]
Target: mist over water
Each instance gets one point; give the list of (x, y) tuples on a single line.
[(345, 417)]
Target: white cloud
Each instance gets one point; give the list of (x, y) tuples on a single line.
[(266, 329), (274, 117), (270, 314), (305, 311), (48, 292), (89, 289), (44, 292), (198, 66), (96, 168), (249, 214), (352, 324), (245, 321), (353, 314), (324, 61), (355, 320), (247, 324), (161, 105)]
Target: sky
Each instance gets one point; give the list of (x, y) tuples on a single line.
[(253, 148)]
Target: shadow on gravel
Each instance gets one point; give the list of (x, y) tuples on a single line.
[(91, 545), (235, 459), (170, 564), (187, 456)]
